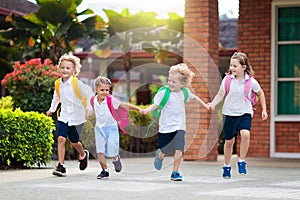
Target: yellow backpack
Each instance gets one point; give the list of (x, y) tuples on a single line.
[(76, 90)]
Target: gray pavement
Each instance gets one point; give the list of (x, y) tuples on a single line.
[(267, 178)]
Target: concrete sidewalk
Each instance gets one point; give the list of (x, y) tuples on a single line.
[(267, 178)]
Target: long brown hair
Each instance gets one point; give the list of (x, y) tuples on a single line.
[(243, 60)]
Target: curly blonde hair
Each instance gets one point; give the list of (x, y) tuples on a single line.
[(73, 59), (186, 74)]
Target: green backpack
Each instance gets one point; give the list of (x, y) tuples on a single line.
[(157, 112)]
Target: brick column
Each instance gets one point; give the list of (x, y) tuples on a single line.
[(254, 38), (201, 53)]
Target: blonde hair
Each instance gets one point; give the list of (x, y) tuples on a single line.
[(73, 59), (101, 80), (186, 74), (243, 60)]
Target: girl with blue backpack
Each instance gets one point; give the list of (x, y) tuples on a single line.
[(240, 90)]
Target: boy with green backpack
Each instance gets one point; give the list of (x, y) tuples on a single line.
[(169, 106)]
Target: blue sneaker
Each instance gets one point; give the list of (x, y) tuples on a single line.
[(175, 176), (242, 167), (226, 172), (157, 161)]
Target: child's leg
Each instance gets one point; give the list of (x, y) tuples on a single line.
[(245, 140), (228, 148), (74, 138), (179, 143), (79, 148), (102, 161), (61, 141), (177, 160)]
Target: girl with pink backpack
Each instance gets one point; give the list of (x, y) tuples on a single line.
[(107, 125), (240, 90)]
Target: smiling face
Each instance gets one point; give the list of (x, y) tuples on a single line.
[(236, 68), (67, 70), (174, 82), (102, 91)]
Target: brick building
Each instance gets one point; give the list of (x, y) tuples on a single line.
[(269, 32)]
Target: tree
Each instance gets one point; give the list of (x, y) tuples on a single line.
[(54, 29), (126, 29)]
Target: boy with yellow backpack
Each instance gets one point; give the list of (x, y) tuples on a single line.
[(73, 95)]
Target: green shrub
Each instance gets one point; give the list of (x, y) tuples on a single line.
[(6, 102), (25, 138)]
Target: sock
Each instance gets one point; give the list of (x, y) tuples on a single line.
[(82, 157), (227, 165), (240, 160)]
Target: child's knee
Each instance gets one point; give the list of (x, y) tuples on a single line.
[(61, 140)]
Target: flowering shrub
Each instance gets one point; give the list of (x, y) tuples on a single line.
[(31, 84)]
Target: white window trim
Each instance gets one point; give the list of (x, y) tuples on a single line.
[(274, 117)]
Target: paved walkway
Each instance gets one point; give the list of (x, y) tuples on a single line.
[(267, 179)]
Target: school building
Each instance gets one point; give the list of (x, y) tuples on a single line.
[(269, 33)]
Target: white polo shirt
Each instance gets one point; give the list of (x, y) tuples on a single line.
[(172, 116), (235, 103), (71, 111), (103, 115)]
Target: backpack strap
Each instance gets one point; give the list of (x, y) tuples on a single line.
[(56, 86), (113, 112), (165, 97), (228, 80), (78, 93), (247, 87), (92, 102), (185, 93)]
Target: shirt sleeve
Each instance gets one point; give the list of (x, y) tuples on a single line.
[(255, 85), (115, 102), (158, 97), (87, 92), (54, 102)]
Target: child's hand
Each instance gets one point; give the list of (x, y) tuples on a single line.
[(143, 111), (211, 106), (49, 113), (264, 115), (88, 114)]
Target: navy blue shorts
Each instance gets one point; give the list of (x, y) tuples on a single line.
[(169, 142), (233, 124), (73, 132)]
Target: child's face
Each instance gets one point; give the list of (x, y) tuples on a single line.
[(174, 81), (236, 68), (67, 69), (103, 90)]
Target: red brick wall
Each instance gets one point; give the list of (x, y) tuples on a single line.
[(201, 28), (287, 137), (254, 38)]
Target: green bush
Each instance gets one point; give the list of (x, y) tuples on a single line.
[(6, 102), (25, 138)]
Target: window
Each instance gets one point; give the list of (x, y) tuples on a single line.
[(288, 60)]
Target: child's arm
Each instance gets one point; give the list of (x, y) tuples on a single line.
[(218, 98), (149, 109), (202, 102), (262, 99), (130, 106), (54, 104)]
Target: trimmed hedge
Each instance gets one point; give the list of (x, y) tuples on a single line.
[(25, 138)]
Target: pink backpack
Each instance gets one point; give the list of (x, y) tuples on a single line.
[(121, 115), (247, 85)]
